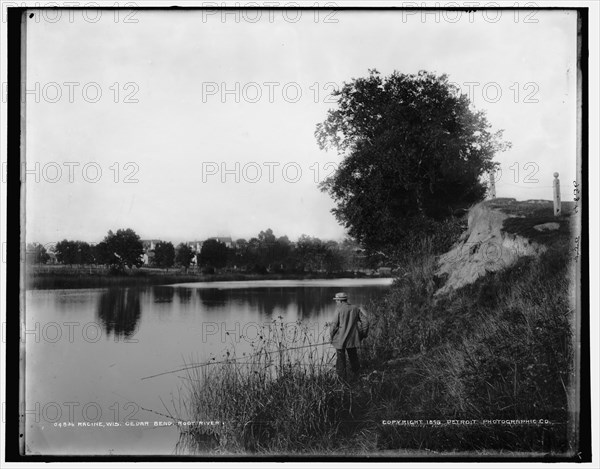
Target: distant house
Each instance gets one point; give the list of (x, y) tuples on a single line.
[(224, 239), (52, 258), (149, 246), (147, 257), (195, 245)]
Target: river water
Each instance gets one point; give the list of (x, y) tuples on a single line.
[(87, 351)]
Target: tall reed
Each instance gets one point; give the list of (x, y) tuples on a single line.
[(281, 397)]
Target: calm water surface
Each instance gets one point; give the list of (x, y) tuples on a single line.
[(87, 350)]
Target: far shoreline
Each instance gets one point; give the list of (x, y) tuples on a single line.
[(286, 282), (66, 277)]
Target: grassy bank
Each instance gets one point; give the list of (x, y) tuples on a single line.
[(62, 277), (498, 349), (495, 350)]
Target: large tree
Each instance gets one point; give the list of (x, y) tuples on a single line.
[(414, 151), (213, 254), (101, 253), (74, 252), (85, 253), (164, 254), (66, 251), (310, 254), (122, 248), (184, 255)]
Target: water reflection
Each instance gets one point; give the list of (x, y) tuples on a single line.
[(119, 311), (183, 294), (163, 294), (212, 297), (303, 302)]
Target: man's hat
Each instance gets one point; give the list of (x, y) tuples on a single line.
[(340, 296)]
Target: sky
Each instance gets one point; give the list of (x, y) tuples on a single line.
[(189, 124)]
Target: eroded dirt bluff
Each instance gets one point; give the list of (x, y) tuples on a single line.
[(489, 245)]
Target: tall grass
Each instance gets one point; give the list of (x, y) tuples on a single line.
[(282, 397)]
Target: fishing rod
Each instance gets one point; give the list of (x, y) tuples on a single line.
[(328, 364), (198, 365)]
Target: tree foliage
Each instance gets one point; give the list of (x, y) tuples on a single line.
[(164, 255), (74, 252), (122, 248), (213, 254), (184, 255), (101, 253), (36, 254), (414, 152)]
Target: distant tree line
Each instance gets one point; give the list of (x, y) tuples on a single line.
[(261, 254), (270, 253), (118, 250)]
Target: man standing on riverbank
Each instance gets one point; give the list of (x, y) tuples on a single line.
[(345, 335)]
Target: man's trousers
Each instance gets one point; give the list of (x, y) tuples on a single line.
[(340, 364)]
